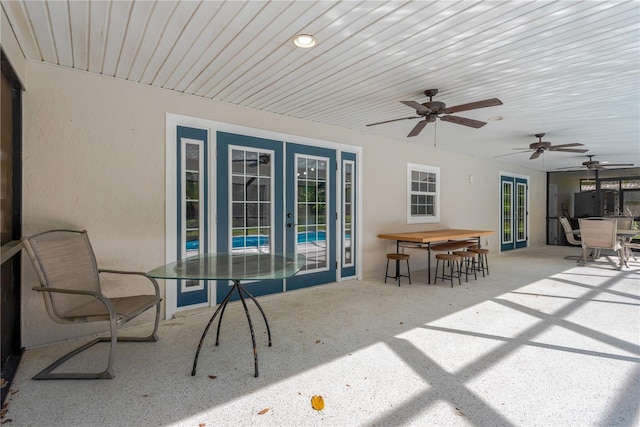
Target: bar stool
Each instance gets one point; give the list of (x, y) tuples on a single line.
[(483, 261), (397, 258), (453, 260), (468, 259)]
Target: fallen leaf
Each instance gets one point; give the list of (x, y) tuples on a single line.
[(3, 382), (201, 425), (317, 403), (264, 411), (213, 377), (459, 412), (317, 341)]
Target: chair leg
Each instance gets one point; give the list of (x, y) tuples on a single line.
[(386, 271), (451, 272), (47, 374), (409, 273)]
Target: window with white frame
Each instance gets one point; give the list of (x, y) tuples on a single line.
[(423, 194)]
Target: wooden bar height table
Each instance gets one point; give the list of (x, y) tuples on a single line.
[(425, 238)]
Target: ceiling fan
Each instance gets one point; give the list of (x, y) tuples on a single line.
[(594, 164), (541, 146), (432, 109)]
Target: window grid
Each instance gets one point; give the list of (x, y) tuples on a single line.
[(423, 194), (521, 211), (507, 224), (251, 182), (347, 212), (311, 218), (192, 207)]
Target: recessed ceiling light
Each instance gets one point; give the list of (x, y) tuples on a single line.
[(304, 41), (495, 118)]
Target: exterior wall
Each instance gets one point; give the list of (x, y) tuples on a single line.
[(94, 159)]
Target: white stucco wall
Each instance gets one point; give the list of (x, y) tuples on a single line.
[(94, 159)]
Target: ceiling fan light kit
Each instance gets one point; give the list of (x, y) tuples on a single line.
[(429, 111)]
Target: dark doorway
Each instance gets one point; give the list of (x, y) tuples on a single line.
[(11, 221)]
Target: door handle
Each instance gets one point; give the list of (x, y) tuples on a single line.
[(289, 225)]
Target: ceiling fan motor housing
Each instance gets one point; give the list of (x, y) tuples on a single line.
[(539, 145), (436, 107)]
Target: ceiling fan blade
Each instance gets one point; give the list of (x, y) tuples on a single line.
[(416, 106), (473, 105), (510, 154), (418, 128), (555, 147), (393, 120), (569, 150), (535, 154), (463, 121), (616, 164)]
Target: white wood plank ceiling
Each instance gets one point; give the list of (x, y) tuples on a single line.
[(570, 69)]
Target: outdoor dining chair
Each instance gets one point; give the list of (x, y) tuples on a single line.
[(596, 235), (70, 284)]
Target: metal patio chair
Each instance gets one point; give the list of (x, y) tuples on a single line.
[(597, 235), (70, 284)]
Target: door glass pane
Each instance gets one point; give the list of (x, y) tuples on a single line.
[(192, 197), (251, 227), (347, 183), (311, 211), (507, 213), (521, 220)]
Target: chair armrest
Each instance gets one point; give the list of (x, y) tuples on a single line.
[(137, 273), (66, 291), (96, 295)]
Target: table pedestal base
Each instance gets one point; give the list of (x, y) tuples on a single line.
[(221, 308)]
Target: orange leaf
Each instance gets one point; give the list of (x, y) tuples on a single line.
[(264, 411), (317, 403)]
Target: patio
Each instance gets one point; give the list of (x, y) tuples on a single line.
[(541, 341)]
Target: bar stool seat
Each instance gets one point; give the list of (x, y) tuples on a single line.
[(483, 261), (397, 257), (453, 260), (468, 259)]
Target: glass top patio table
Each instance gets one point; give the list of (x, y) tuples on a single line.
[(231, 266), (235, 267)]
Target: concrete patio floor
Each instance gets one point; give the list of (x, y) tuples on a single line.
[(541, 341)]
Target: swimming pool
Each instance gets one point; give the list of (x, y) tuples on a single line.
[(253, 241)]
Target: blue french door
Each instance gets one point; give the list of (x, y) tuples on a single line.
[(514, 210), (249, 198), (311, 213)]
